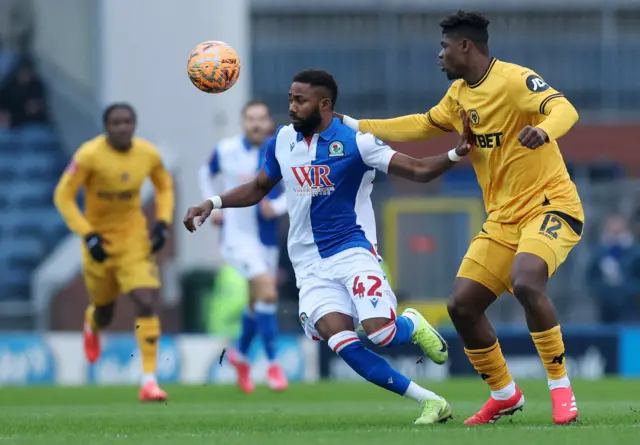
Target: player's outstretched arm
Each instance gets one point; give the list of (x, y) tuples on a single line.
[(427, 169), (246, 195), (414, 127)]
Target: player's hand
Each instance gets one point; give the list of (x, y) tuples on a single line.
[(339, 116), (217, 218), (197, 215), (466, 141), (532, 137), (95, 245), (159, 236), (266, 209)]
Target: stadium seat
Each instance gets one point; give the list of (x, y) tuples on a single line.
[(36, 134), (7, 173), (28, 229), (15, 248), (8, 60), (30, 164), (36, 165), (4, 202)]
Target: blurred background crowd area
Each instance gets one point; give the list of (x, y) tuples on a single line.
[(384, 55)]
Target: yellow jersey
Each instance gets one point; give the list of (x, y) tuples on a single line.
[(517, 183), (112, 181)]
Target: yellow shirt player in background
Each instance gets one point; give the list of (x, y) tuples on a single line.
[(534, 213), (118, 253)]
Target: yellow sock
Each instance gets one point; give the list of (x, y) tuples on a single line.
[(89, 320), (491, 366), (551, 349), (148, 335)]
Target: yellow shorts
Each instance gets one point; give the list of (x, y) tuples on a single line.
[(132, 269), (550, 236)]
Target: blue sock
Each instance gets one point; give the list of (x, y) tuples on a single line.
[(394, 334), (247, 332), (404, 330), (267, 323), (367, 363)]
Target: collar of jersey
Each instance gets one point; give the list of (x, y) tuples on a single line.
[(486, 74), (326, 134)]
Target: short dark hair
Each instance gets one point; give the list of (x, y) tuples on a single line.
[(255, 103), (118, 106), (470, 25), (319, 78)]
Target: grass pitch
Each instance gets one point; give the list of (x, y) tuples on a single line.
[(324, 413)]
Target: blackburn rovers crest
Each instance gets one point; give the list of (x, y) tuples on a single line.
[(336, 149)]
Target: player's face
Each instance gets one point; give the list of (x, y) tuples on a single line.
[(257, 123), (452, 57), (306, 104), (120, 127)]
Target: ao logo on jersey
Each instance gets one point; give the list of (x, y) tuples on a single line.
[(313, 180), (536, 84)]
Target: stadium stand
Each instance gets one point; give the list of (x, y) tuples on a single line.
[(30, 163)]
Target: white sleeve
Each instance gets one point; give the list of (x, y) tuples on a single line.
[(279, 205), (374, 152), (205, 182), (350, 122)]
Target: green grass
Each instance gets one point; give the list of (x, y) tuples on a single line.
[(326, 413)]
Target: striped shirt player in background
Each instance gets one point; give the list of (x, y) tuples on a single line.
[(249, 238), (327, 170)]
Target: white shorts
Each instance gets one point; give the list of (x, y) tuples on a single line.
[(351, 283), (252, 259)]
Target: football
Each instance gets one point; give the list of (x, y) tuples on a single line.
[(213, 66)]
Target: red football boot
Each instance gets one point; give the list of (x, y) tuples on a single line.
[(564, 406), (494, 409), (276, 379), (151, 392), (244, 372), (91, 345)]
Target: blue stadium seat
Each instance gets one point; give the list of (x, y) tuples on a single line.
[(27, 229), (36, 134), (30, 227), (6, 191), (4, 202), (8, 60), (8, 141), (33, 194), (13, 248), (20, 257), (8, 171), (22, 216), (15, 286), (35, 165)]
